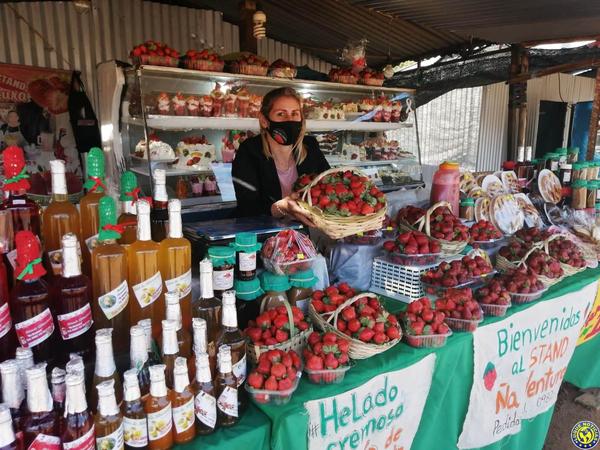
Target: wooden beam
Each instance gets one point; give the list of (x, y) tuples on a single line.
[(568, 67), (594, 117), (247, 40)]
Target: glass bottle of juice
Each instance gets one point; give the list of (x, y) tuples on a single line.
[(170, 349), (59, 389), (25, 213), (182, 402), (158, 409), (199, 345), (40, 429), (108, 421), (8, 338), (138, 355), (226, 388), (60, 217), (128, 198), (231, 336), (88, 206), (105, 368), (73, 295), (208, 307), (31, 301), (135, 424), (8, 440), (109, 278), (144, 274), (176, 263), (173, 312), (151, 345), (159, 216), (79, 430), (13, 394), (205, 401)]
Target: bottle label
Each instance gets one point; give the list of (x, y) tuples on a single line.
[(239, 370), (148, 291), (55, 258), (85, 442), (228, 401), (160, 423), (135, 432), (247, 261), (183, 416), (12, 258), (36, 330), (115, 301), (75, 323), (45, 442), (112, 441), (5, 320), (205, 406), (181, 284), (92, 242), (303, 305), (223, 280)]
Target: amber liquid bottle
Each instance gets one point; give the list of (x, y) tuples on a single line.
[(73, 296), (105, 369), (135, 423), (147, 300), (226, 387), (59, 392), (182, 402), (128, 216), (231, 335), (159, 411), (79, 430), (205, 403), (108, 422), (13, 395), (173, 312), (176, 263), (109, 279), (8, 338), (208, 307), (170, 349), (40, 425), (138, 355), (8, 440), (60, 217), (159, 217)]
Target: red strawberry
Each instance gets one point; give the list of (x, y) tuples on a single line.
[(393, 333), (353, 325), (255, 380), (278, 370), (285, 384), (314, 363), (271, 383), (366, 335), (313, 338), (264, 367), (281, 336)]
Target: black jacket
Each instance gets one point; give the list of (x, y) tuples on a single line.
[(255, 177)]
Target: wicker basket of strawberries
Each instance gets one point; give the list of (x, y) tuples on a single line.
[(568, 254), (342, 202), (206, 60), (154, 53)]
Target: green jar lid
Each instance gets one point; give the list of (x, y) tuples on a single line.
[(561, 151), (535, 161), (273, 282), (573, 150), (551, 155), (248, 290), (246, 242), (304, 279), (128, 184), (579, 184), (467, 202), (593, 184), (220, 255), (578, 165), (107, 213)]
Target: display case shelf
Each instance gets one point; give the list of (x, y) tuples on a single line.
[(357, 163), (171, 171)]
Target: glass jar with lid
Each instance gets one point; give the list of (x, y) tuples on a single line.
[(565, 174), (552, 161), (579, 194), (572, 155), (245, 246), (247, 300), (467, 209), (592, 170), (275, 287), (579, 171), (302, 288), (562, 154), (592, 189), (223, 260)]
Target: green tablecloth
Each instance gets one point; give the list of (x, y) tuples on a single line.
[(448, 399)]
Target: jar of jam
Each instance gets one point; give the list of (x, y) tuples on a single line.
[(247, 300), (573, 155), (245, 247), (592, 170), (223, 260), (592, 189), (579, 194), (562, 155), (275, 287), (564, 175), (467, 209), (552, 161), (302, 288), (579, 171)]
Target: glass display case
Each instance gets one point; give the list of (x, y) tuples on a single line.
[(190, 123)]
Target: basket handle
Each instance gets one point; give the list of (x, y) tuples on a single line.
[(529, 252), (348, 302), (308, 198), (288, 309), (553, 238), (430, 212)]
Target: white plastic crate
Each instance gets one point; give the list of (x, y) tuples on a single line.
[(398, 282)]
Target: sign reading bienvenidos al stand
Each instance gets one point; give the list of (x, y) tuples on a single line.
[(519, 365), (383, 413)]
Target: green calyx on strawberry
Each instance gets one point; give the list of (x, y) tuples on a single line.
[(273, 326), (276, 370), (324, 352), (457, 272), (484, 231)]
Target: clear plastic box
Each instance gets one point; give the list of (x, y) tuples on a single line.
[(364, 238), (266, 397), (494, 310), (288, 268), (520, 299), (413, 260), (463, 324), (427, 340), (439, 291), (327, 376), (485, 245)]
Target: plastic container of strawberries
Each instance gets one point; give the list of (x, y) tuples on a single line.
[(267, 397), (440, 291), (426, 340), (288, 268), (483, 279), (485, 245), (403, 259), (521, 299), (494, 310), (464, 324), (327, 376)]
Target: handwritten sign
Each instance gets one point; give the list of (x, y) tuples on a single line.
[(519, 365), (591, 327), (383, 413)]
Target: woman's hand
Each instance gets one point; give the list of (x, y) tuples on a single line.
[(288, 206)]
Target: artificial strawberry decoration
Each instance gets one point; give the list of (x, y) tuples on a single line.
[(276, 370), (273, 327), (324, 356)]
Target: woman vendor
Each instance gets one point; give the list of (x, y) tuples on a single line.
[(267, 165)]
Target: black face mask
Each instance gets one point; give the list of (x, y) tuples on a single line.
[(285, 133)]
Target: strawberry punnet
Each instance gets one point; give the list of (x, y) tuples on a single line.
[(484, 231), (326, 352), (457, 272), (276, 370), (459, 304), (420, 319)]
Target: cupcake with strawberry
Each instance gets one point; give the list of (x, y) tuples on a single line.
[(206, 106), (163, 103), (218, 98), (193, 105)]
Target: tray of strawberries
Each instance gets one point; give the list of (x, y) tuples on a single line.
[(523, 285), (247, 63), (547, 268), (532, 235), (494, 298), (288, 252), (424, 327), (154, 53), (413, 248), (459, 273), (462, 312), (343, 75), (371, 77), (275, 377), (206, 59), (326, 359), (485, 235)]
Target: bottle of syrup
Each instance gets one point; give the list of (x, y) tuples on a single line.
[(138, 356), (170, 349), (59, 392), (205, 403), (135, 423), (128, 219), (8, 440), (40, 428), (105, 368), (151, 345), (159, 411), (231, 335), (182, 401), (173, 312), (13, 395), (79, 430), (160, 214), (226, 387), (108, 422), (24, 358)]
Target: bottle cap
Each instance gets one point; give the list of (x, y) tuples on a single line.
[(75, 365), (143, 207), (157, 372), (130, 378), (248, 290), (37, 371), (578, 165), (220, 255), (172, 298), (136, 330), (561, 151), (29, 262), (228, 298), (574, 150), (107, 213), (169, 325), (160, 176), (174, 205), (5, 413), (57, 375), (69, 240), (14, 169), (57, 166), (246, 242), (103, 336), (180, 366), (273, 282), (106, 388), (206, 266), (95, 170), (74, 379), (449, 165), (467, 202), (304, 279), (129, 184)]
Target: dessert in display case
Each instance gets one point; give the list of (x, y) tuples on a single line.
[(190, 123)]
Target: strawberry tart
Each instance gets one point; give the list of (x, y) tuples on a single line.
[(195, 152)]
